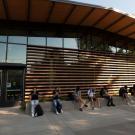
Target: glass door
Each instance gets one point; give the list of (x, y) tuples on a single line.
[(2, 91), (0, 84), (14, 85)]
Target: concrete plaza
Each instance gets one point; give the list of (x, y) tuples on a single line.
[(119, 120)]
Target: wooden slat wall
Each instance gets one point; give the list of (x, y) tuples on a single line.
[(49, 67)]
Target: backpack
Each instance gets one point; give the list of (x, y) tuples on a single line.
[(59, 107), (38, 110)]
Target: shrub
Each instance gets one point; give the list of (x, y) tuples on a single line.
[(23, 106)]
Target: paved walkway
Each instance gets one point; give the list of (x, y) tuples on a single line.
[(107, 120)]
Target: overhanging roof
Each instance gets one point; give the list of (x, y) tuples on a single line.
[(68, 12)]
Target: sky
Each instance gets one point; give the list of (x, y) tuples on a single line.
[(127, 6)]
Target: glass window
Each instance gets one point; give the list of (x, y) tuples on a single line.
[(36, 41), (17, 39), (16, 53), (55, 42), (2, 52), (70, 43), (3, 38)]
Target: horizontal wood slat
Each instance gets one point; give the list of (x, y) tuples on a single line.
[(49, 67)]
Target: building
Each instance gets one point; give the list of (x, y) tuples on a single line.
[(59, 43)]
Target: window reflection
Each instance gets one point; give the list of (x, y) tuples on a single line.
[(70, 43), (55, 42), (121, 50), (113, 49), (36, 41), (17, 39), (16, 53), (3, 38), (2, 52)]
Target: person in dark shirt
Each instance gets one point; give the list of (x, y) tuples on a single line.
[(104, 93), (124, 93), (57, 105), (34, 101)]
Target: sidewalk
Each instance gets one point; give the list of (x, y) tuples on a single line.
[(107, 120)]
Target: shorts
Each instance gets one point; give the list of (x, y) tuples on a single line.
[(125, 95), (91, 98)]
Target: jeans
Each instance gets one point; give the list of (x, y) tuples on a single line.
[(56, 102), (33, 105)]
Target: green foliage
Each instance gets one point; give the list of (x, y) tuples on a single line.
[(42, 100), (23, 106)]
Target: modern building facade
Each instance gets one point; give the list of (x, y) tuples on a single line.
[(59, 43)]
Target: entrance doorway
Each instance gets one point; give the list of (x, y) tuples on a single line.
[(11, 86), (14, 85), (0, 84)]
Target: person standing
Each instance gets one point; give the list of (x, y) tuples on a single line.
[(34, 101), (104, 93)]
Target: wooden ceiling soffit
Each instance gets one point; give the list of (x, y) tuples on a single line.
[(5, 5), (120, 24), (86, 16), (101, 18), (50, 12), (28, 10), (130, 34), (2, 11), (116, 21), (126, 27), (70, 13)]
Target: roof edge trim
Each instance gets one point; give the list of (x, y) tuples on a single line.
[(94, 6), (78, 3)]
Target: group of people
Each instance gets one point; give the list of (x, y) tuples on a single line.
[(92, 98), (123, 92), (36, 109), (76, 96)]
